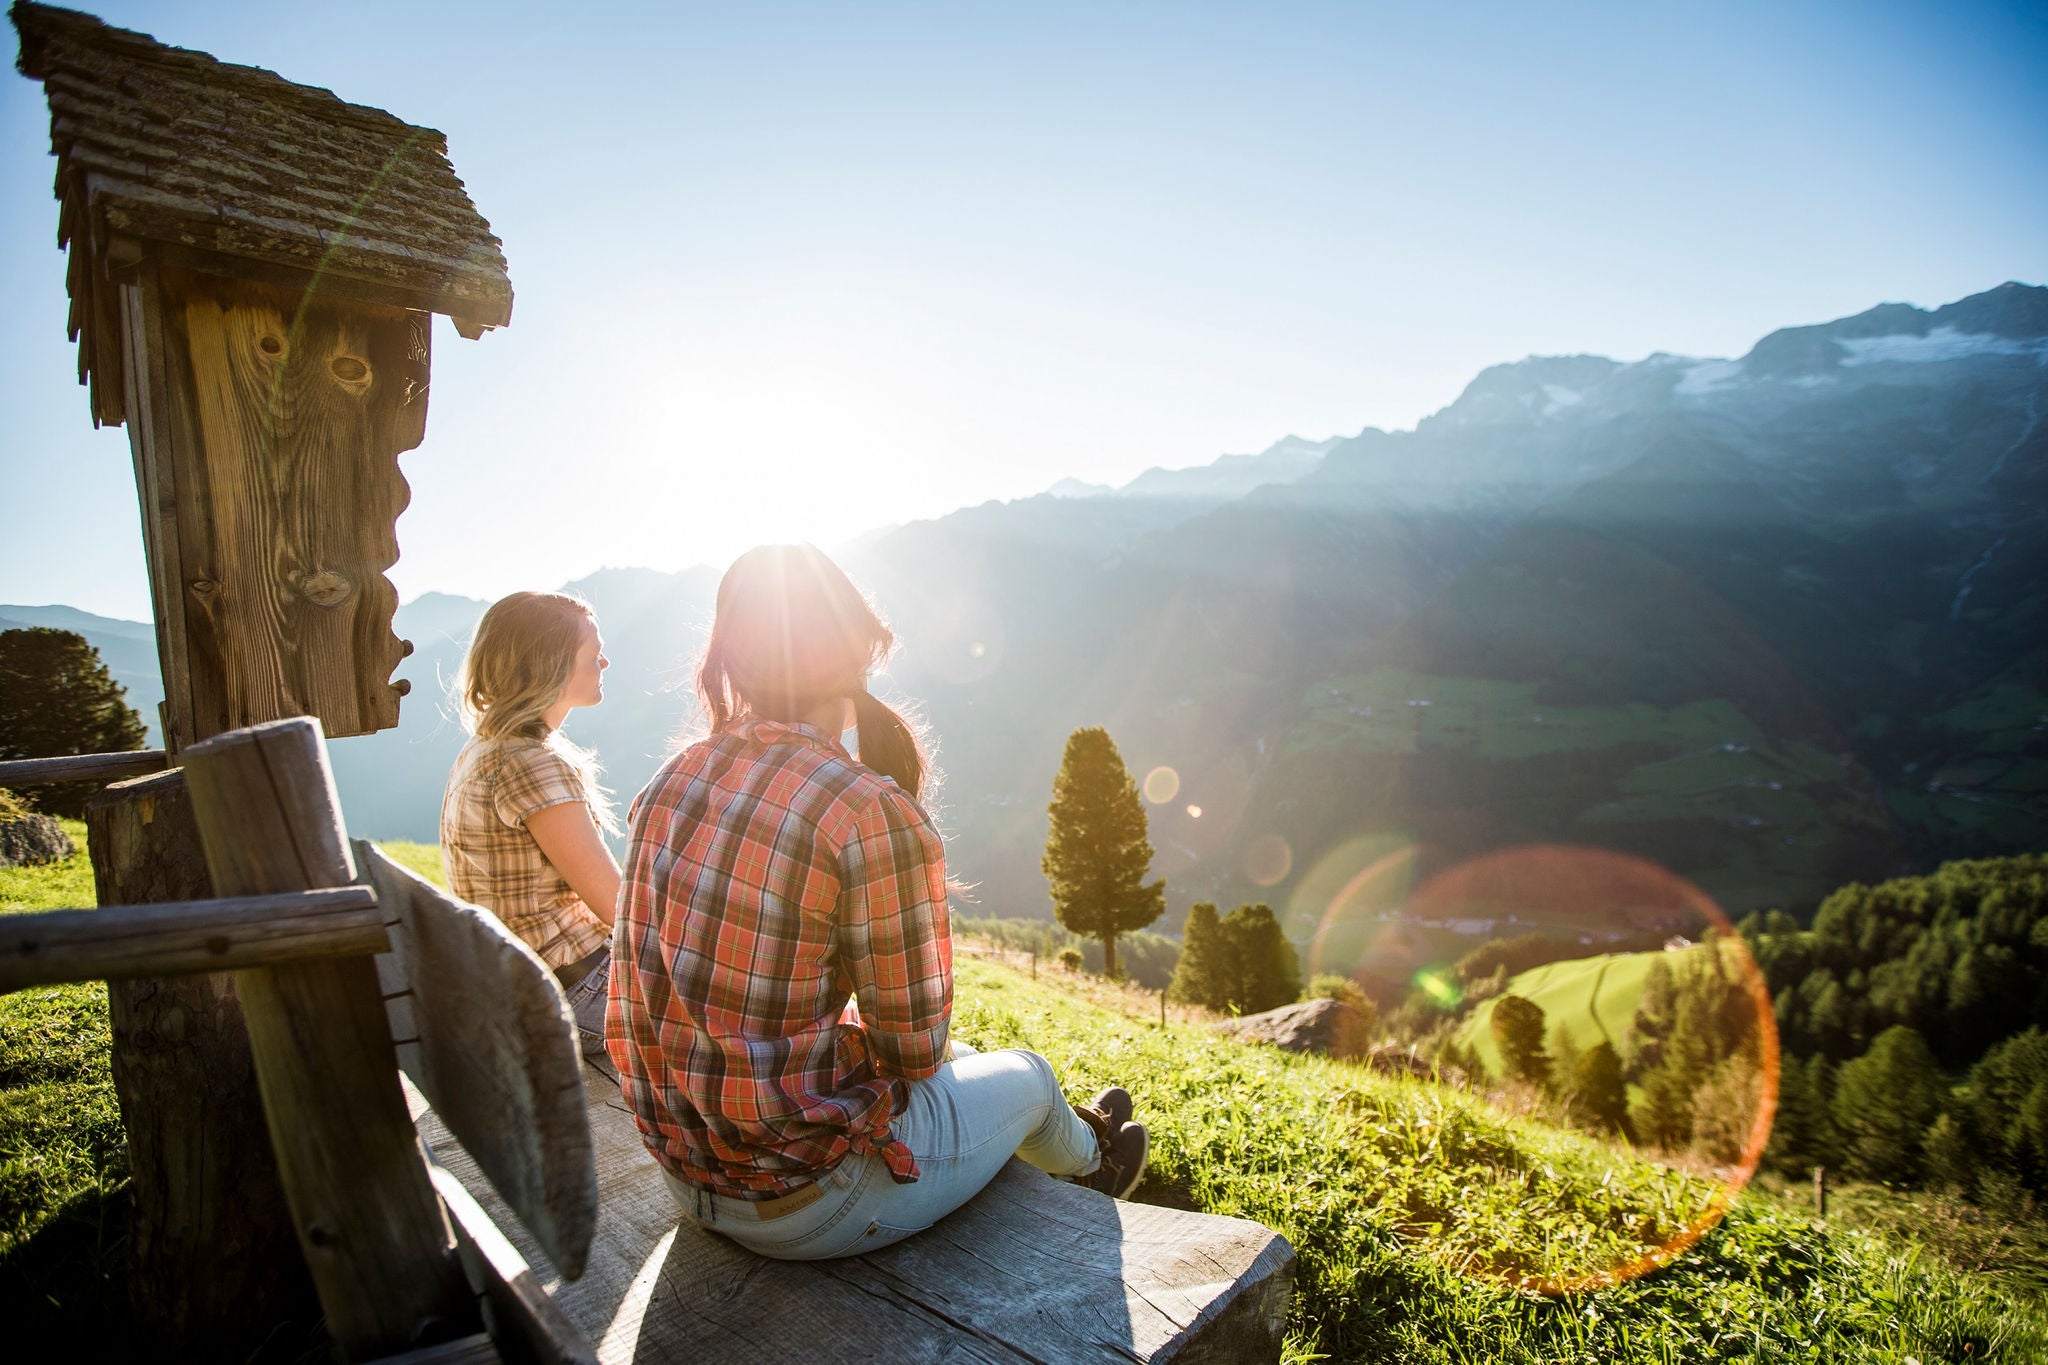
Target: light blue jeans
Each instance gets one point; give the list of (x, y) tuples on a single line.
[(962, 1125)]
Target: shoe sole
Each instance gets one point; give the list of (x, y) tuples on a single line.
[(1137, 1176)]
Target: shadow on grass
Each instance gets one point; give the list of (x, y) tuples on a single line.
[(64, 1296)]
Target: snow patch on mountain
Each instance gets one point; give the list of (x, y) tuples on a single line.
[(1938, 344), (1709, 376)]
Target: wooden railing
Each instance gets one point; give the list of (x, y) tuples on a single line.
[(326, 956)]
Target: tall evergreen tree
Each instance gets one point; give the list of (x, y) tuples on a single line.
[(1599, 1090), (1884, 1103), (1260, 968), (1518, 1033), (1196, 977), (1096, 854), (56, 698)]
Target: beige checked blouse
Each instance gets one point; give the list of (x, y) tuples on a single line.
[(492, 860)]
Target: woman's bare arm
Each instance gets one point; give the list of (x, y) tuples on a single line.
[(568, 836)]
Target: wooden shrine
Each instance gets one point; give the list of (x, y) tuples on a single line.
[(253, 266)]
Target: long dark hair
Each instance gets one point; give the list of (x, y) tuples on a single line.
[(791, 633)]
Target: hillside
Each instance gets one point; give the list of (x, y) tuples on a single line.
[(1771, 623), (1592, 998), (1415, 1209)]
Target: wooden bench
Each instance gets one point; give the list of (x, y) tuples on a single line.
[(571, 1248)]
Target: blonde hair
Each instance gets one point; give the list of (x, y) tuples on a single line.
[(518, 662), (792, 632)]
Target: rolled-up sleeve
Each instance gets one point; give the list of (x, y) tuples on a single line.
[(895, 944)]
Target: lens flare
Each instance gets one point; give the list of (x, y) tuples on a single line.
[(1268, 860), (1162, 784), (1613, 950), (1649, 956), (1194, 812)]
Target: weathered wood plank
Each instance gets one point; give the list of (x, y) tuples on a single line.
[(176, 937), (366, 1215), (477, 1349), (488, 1038), (522, 1318), (302, 405), (1031, 1270), (33, 772), (213, 1266)]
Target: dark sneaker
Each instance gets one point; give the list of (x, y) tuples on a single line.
[(1123, 1163), (1106, 1113)]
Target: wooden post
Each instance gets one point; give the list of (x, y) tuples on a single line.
[(1820, 1192), (213, 1266), (1162, 1007), (365, 1212)]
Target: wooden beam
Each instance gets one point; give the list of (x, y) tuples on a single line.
[(365, 1212), (175, 937), (525, 1321), (213, 1265), (32, 772)]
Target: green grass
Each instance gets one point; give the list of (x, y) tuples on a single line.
[(1594, 998), (1415, 1208), (62, 1150), (424, 859)]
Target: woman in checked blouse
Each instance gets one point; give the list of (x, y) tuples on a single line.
[(521, 816), (770, 876)]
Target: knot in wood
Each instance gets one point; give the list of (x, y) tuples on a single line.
[(326, 588), (321, 1235), (270, 345), (352, 373)]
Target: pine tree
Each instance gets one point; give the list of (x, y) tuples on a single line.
[(1518, 1032), (1564, 1063), (56, 697), (1259, 966), (1885, 1101), (1096, 854), (1195, 976), (1600, 1091)]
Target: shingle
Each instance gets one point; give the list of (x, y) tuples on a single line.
[(171, 145)]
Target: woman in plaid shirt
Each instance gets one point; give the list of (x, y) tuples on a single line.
[(783, 973)]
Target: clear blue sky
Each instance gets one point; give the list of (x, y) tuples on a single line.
[(790, 271)]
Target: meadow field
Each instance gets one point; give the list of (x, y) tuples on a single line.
[(1429, 1226), (1592, 998)]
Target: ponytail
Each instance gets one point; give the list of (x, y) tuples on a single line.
[(888, 744)]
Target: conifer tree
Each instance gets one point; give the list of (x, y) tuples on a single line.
[(1564, 1063), (1195, 975), (1599, 1090), (56, 697), (1518, 1032), (1884, 1103), (1096, 854), (1260, 968)]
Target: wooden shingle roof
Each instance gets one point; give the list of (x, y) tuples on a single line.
[(215, 163)]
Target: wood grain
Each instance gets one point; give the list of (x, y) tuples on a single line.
[(1031, 1270), (271, 462), (31, 772), (366, 1216), (178, 937), (522, 1318), (492, 1045), (213, 1265)]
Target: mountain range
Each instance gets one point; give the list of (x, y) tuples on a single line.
[(1766, 624)]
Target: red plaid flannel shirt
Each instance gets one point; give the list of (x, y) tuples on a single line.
[(770, 877)]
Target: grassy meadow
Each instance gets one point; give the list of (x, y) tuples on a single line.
[(62, 1149), (1421, 1215), (1424, 1219), (1593, 998)]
